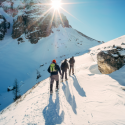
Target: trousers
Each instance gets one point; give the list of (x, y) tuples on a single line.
[(56, 78), (71, 68)]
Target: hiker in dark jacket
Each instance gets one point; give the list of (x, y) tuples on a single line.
[(53, 70), (71, 62), (64, 67)]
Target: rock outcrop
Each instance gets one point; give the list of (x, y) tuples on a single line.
[(36, 26), (3, 26), (111, 60)]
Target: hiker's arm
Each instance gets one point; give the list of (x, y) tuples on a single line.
[(67, 66), (59, 70), (49, 69)]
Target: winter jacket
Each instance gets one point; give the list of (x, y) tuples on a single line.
[(64, 66), (72, 61), (53, 69)]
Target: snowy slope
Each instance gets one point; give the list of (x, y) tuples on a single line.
[(120, 42), (21, 61), (87, 98)]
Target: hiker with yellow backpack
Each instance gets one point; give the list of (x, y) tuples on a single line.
[(53, 70)]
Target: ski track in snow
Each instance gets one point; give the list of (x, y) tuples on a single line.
[(87, 98)]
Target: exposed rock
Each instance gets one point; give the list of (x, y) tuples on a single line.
[(3, 26), (111, 60), (20, 40), (35, 26), (7, 6)]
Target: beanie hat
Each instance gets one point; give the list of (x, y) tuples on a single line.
[(54, 61)]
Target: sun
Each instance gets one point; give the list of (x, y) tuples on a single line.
[(56, 4)]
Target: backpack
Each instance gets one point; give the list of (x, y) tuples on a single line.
[(64, 66), (53, 67), (71, 61)]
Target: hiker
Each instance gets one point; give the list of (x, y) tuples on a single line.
[(71, 61), (53, 70), (64, 67)]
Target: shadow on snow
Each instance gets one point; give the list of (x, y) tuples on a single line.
[(78, 87), (51, 112), (69, 98), (119, 76)]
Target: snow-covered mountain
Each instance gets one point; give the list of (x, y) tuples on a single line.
[(87, 98), (24, 61)]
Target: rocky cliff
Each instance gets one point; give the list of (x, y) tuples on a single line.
[(111, 60), (3, 26), (35, 24)]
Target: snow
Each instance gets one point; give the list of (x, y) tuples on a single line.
[(10, 87), (108, 46), (21, 61), (8, 17), (88, 97), (7, 4), (122, 53), (16, 4), (114, 55)]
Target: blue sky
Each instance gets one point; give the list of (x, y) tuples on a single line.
[(102, 20)]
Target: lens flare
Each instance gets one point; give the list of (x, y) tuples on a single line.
[(56, 4)]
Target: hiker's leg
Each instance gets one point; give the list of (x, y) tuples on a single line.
[(66, 74), (73, 70), (51, 87), (51, 83), (62, 74), (57, 81), (57, 84), (70, 70)]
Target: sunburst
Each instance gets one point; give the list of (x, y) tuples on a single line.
[(55, 5)]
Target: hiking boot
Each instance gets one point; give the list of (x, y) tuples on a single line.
[(57, 89), (72, 73), (66, 79), (51, 92)]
